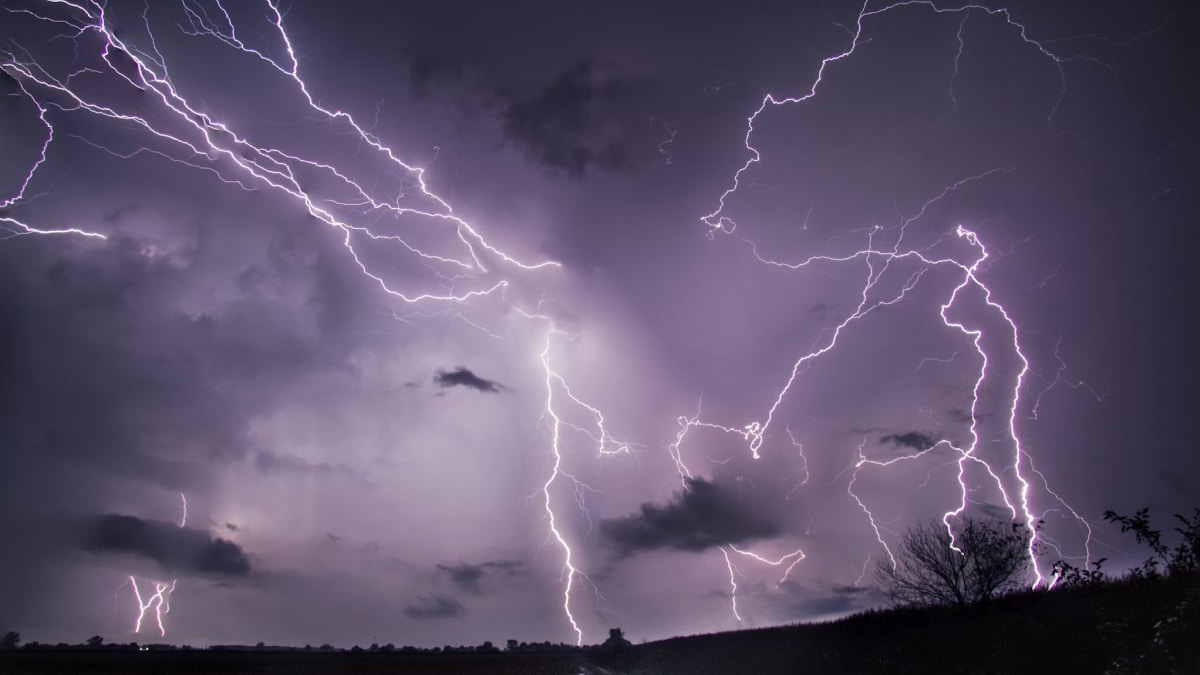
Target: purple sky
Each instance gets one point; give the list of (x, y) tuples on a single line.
[(361, 462)]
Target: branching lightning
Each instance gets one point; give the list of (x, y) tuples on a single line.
[(180, 130), (877, 261), (185, 133), (160, 601)]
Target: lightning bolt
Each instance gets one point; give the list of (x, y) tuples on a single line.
[(877, 260), (559, 394), (675, 449), (160, 601), (161, 598), (185, 133), (465, 267)]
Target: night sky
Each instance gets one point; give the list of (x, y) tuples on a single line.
[(468, 288)]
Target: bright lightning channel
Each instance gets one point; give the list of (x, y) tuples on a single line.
[(877, 261), (186, 134), (189, 135), (160, 601)]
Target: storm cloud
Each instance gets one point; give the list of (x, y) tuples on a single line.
[(175, 549), (701, 516), (917, 440), (469, 578), (570, 125), (461, 377), (235, 346)]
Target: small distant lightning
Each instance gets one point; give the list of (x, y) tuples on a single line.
[(957, 57), (732, 585), (803, 458), (1058, 378), (160, 601), (664, 148)]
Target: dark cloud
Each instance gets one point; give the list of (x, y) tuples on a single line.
[(701, 516), (461, 377), (175, 549), (216, 324), (917, 440), (570, 125), (468, 578), (437, 607)]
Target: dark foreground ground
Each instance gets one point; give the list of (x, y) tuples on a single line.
[(1144, 627), (270, 663)]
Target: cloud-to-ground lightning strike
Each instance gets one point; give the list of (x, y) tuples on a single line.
[(182, 131), (675, 449), (552, 419), (194, 137), (160, 601), (877, 261)]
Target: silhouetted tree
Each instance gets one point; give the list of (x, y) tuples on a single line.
[(1183, 559), (11, 640), (616, 640), (95, 641), (986, 558), (1172, 648)]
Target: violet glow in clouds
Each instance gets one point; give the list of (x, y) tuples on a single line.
[(509, 381)]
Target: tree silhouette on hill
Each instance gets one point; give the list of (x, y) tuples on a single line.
[(986, 558)]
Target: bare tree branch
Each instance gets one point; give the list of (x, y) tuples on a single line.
[(991, 560)]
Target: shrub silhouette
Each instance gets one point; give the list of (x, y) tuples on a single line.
[(1183, 559)]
